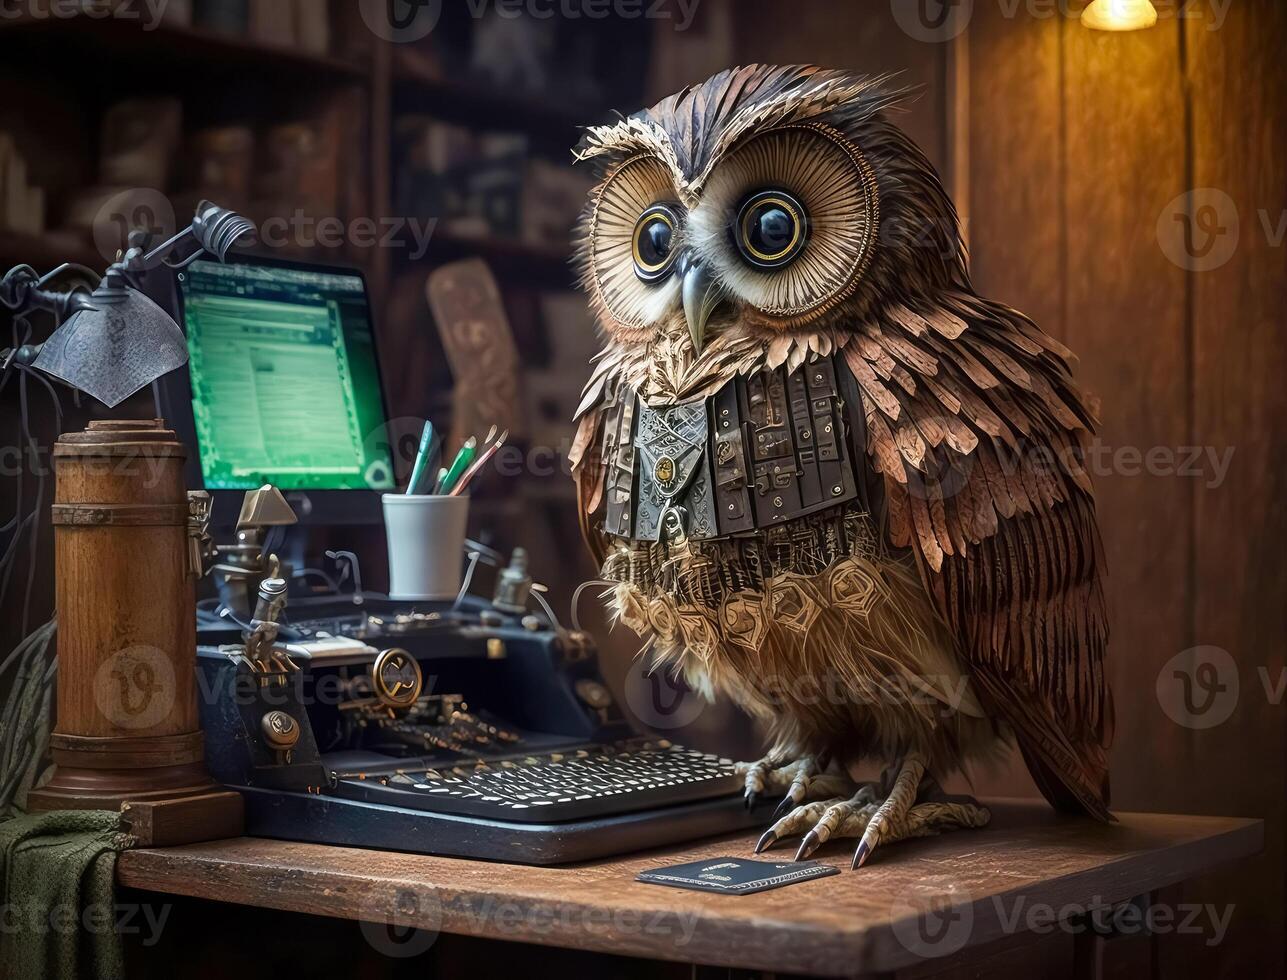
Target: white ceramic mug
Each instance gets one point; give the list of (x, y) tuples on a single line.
[(426, 536)]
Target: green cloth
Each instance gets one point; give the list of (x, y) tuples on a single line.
[(59, 875)]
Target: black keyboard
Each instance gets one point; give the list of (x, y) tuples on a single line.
[(571, 784)]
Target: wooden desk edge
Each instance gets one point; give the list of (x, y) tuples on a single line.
[(761, 943)]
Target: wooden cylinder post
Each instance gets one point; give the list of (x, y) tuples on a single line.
[(128, 730)]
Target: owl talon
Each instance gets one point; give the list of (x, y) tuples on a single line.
[(874, 817), (788, 804), (810, 844)]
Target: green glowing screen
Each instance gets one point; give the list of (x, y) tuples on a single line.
[(285, 388)]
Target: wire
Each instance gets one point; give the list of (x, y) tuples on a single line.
[(474, 556), (576, 598)]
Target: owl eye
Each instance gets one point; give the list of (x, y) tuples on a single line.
[(772, 228), (654, 242)]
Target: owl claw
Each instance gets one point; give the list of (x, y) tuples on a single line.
[(861, 855), (767, 840), (786, 806), (810, 844), (751, 799)]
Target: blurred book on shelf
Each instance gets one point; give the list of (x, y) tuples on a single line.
[(299, 172), (221, 162), (471, 182), (140, 139), (483, 184)]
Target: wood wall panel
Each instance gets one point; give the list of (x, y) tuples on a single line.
[(864, 37), (1127, 320), (1237, 85), (1016, 186), (1082, 146)]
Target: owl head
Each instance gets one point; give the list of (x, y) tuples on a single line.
[(764, 199)]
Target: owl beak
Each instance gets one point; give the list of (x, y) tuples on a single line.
[(701, 294)]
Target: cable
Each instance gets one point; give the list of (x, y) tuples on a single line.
[(576, 598)]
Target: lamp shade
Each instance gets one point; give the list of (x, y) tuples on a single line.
[(1119, 15), (122, 343)]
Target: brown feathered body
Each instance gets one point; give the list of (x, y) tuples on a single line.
[(955, 600)]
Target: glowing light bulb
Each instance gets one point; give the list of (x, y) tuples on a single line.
[(1119, 15)]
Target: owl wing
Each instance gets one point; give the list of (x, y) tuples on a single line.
[(977, 431), (586, 454)]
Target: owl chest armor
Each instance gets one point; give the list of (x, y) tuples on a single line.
[(764, 450)]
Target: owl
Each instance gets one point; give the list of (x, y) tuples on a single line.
[(822, 475)]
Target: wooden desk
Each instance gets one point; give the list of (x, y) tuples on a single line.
[(963, 896)]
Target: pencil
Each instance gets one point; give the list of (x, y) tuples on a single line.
[(463, 483), (458, 465)]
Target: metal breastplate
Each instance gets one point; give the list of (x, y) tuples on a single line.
[(763, 450)]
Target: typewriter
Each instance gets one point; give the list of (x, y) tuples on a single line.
[(459, 729)]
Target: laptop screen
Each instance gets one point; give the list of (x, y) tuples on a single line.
[(285, 385)]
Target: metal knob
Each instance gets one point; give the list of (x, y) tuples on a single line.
[(280, 729)]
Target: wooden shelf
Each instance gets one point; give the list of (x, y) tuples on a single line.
[(75, 43)]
